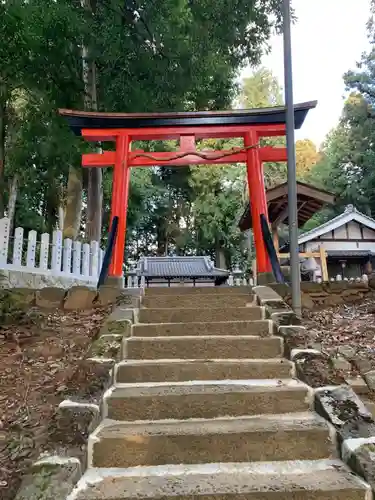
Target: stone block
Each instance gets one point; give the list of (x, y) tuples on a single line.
[(281, 289), (316, 370), (346, 351), (358, 385), (358, 285), (307, 302), (311, 286), (363, 364), (285, 318), (79, 298), (342, 407), (72, 424), (117, 327), (106, 346), (342, 364), (50, 478), (360, 456), (370, 379), (266, 294), (294, 337), (107, 295), (333, 300), (121, 314), (335, 286), (50, 297), (24, 296)]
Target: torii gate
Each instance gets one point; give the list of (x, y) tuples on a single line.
[(125, 128)]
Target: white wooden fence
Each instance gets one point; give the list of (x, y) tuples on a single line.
[(48, 256)]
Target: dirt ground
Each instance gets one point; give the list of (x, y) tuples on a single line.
[(350, 325), (38, 359)]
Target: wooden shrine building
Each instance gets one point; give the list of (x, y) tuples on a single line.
[(310, 200)]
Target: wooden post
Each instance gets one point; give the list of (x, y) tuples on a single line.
[(323, 263), (275, 238), (257, 200), (120, 195)]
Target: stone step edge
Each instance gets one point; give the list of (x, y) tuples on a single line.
[(251, 296), (298, 421), (255, 422), (177, 338), (257, 384), (254, 476), (176, 361), (250, 321)]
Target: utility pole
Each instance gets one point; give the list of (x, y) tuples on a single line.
[(292, 179)]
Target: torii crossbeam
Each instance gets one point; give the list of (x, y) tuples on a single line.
[(123, 129)]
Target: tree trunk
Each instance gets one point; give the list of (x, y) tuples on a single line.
[(73, 205), (94, 188), (3, 110), (220, 261), (13, 190)]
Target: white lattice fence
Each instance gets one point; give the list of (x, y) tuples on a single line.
[(48, 255)]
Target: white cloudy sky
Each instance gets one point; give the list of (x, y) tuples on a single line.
[(328, 39)]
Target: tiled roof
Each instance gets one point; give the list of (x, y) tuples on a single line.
[(350, 213), (349, 253), (178, 267)]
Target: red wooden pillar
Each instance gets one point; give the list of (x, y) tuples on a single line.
[(258, 201), (120, 195)]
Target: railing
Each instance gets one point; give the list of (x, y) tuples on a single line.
[(233, 280), (48, 254)]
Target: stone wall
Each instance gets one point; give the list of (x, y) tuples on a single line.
[(334, 395), (75, 298), (320, 295), (10, 278)]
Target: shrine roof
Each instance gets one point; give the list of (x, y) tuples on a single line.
[(276, 115), (178, 267), (309, 201)]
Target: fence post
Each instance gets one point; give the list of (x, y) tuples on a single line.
[(67, 256), (4, 239), (31, 249), (56, 251), (18, 247), (77, 256), (86, 259), (44, 251), (94, 247)]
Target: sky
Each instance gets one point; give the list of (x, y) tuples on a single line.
[(328, 39)]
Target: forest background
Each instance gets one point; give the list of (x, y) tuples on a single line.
[(150, 56)]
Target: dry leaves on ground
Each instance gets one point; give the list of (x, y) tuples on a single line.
[(38, 359)]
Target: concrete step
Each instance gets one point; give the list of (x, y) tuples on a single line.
[(259, 327), (293, 436), (291, 480), (180, 370), (193, 315), (196, 399), (198, 290), (197, 300), (213, 347)]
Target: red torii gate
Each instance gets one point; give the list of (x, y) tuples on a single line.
[(125, 128)]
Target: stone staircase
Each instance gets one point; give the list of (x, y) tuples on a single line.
[(203, 406)]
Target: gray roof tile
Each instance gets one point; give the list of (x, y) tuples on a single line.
[(176, 267)]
